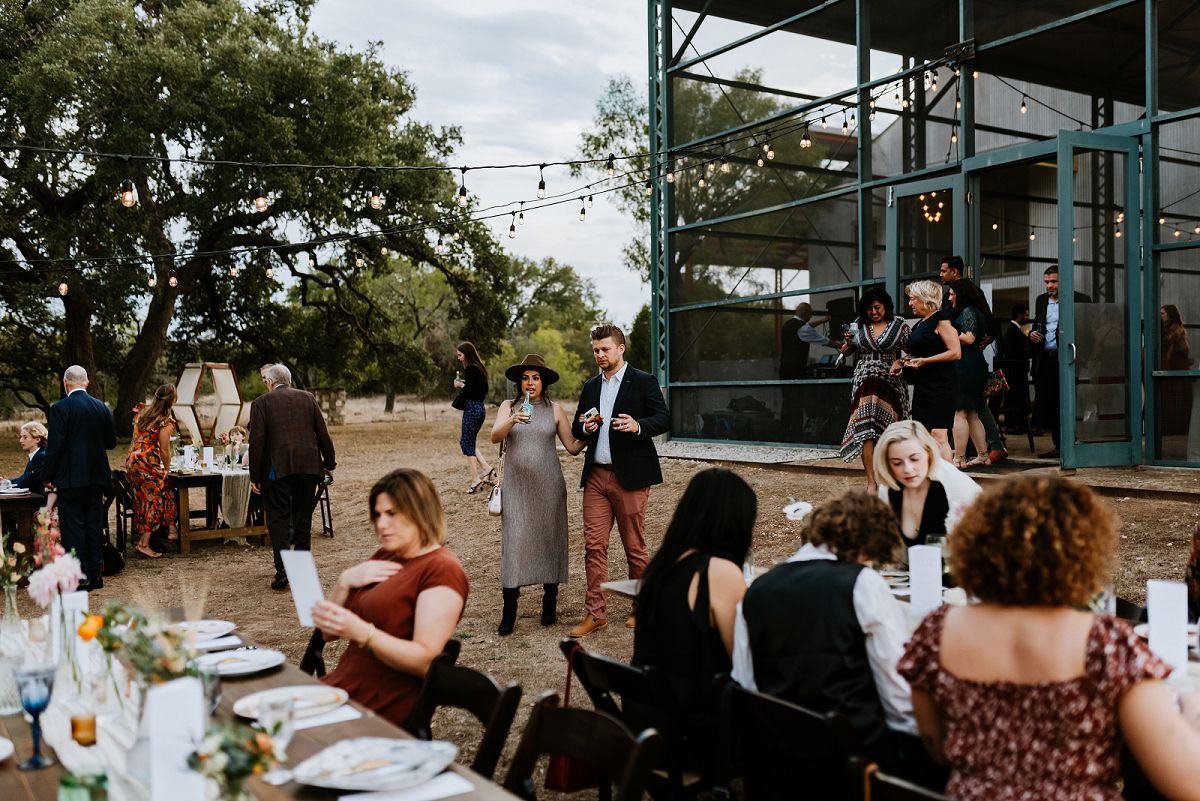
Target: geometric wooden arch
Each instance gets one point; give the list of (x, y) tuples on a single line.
[(194, 417)]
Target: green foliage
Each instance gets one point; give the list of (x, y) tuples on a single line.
[(551, 345), (637, 342)]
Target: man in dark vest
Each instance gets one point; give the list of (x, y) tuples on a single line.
[(797, 335), (824, 631), (1044, 349)]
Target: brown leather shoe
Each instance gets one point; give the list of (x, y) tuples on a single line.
[(998, 455), (588, 625), (631, 622)]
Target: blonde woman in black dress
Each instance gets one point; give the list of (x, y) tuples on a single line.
[(533, 523), (933, 348)]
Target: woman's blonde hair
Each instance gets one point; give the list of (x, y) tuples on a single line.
[(901, 432), (1034, 542), (414, 496), (36, 430), (927, 292)]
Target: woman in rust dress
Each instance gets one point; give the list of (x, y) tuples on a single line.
[(147, 464), (400, 607), (1027, 694)]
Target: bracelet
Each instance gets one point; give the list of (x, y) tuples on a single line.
[(367, 639)]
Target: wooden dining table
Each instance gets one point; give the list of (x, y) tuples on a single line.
[(210, 482), (22, 507), (42, 785)]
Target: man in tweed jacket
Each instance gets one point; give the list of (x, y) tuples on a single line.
[(290, 452)]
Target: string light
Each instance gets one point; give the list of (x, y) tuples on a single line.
[(845, 125), (383, 251), (462, 190), (312, 261), (233, 270), (457, 235), (853, 119), (376, 199), (583, 210), (63, 289), (1024, 107), (610, 166), (710, 167), (649, 187), (1196, 230), (953, 134), (1176, 233), (770, 151), (173, 279), (904, 103), (1162, 220), (541, 193), (270, 271), (670, 172), (1117, 233), (260, 200), (152, 281), (933, 86), (1032, 234), (512, 227), (127, 195), (701, 183), (995, 226), (440, 247), (590, 202), (724, 164), (521, 216), (360, 262), (759, 161), (824, 124), (805, 142)]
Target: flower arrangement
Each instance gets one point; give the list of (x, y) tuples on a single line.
[(54, 578), (17, 561), (156, 651), (231, 753)]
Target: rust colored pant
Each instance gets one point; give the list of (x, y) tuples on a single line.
[(604, 499)]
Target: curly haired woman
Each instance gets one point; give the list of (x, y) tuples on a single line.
[(1026, 694)]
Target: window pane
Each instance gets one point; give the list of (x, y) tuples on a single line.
[(1178, 213), (1178, 419), (810, 414), (1178, 321)]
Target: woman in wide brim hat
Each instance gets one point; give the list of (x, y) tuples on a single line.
[(531, 362), (533, 530)]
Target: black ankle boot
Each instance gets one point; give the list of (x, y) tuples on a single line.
[(549, 604), (508, 618)]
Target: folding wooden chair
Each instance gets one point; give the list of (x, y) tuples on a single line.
[(593, 738), (879, 786), (326, 509), (464, 688)]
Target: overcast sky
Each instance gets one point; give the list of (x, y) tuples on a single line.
[(521, 78)]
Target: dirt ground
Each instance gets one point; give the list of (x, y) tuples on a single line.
[(234, 579)]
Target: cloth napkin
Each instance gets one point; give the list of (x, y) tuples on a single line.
[(340, 715), (235, 498)]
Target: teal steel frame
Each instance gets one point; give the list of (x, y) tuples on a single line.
[(961, 173)]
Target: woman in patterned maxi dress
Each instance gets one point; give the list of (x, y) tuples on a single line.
[(147, 464), (877, 398)]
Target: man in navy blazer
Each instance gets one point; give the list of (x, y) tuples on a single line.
[(619, 467), (81, 431)]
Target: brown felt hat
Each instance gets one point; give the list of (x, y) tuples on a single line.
[(531, 362)]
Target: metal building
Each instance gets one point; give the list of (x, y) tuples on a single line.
[(890, 134)]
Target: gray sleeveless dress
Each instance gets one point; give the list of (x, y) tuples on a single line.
[(533, 539)]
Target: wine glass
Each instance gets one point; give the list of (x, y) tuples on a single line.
[(210, 683), (276, 716), (35, 684)]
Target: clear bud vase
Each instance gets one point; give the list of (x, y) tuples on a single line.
[(11, 652), (10, 624), (68, 681)]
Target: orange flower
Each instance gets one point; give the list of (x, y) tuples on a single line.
[(263, 740), (89, 628)]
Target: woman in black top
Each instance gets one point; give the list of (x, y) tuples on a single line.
[(934, 348), (473, 389), (687, 601)]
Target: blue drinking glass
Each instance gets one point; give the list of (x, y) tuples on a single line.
[(35, 683)]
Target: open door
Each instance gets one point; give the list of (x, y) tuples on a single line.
[(1100, 293), (926, 221)]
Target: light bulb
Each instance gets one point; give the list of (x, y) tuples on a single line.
[(953, 136), (941, 204), (610, 166), (975, 74), (152, 281), (957, 101), (854, 118), (270, 271), (383, 251), (760, 161), (724, 164), (521, 218), (920, 197), (457, 235), (1162, 220), (376, 199), (360, 262), (995, 226), (933, 86), (897, 97), (710, 167), (1117, 233), (649, 187), (845, 125), (871, 116), (1176, 232), (872, 104), (904, 103), (701, 183), (805, 142), (770, 154), (440, 248), (312, 262), (670, 172), (233, 270), (590, 202), (1032, 234), (766, 146), (1024, 107), (1196, 230), (582, 211), (260, 200), (512, 228), (63, 288), (128, 195), (462, 196), (173, 280), (824, 123)]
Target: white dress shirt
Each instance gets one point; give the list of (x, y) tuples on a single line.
[(609, 387), (882, 620), (807, 333), (1051, 324)]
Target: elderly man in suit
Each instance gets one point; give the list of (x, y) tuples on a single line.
[(620, 466), (81, 432), (290, 452), (1044, 348)]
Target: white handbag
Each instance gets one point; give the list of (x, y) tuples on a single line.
[(495, 507)]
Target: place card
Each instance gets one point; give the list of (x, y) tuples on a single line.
[(306, 586), (1166, 605), (208, 456), (175, 713), (444, 785), (925, 577)]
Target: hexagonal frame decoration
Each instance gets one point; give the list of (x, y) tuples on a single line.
[(229, 400)]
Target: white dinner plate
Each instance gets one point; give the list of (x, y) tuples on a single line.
[(1143, 630), (308, 700), (6, 748), (17, 491), (242, 662), (376, 763), (204, 630)]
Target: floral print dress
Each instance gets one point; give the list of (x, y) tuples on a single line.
[(877, 398), (153, 496), (1049, 741)]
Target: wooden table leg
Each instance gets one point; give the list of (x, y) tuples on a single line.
[(25, 525), (185, 519)]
